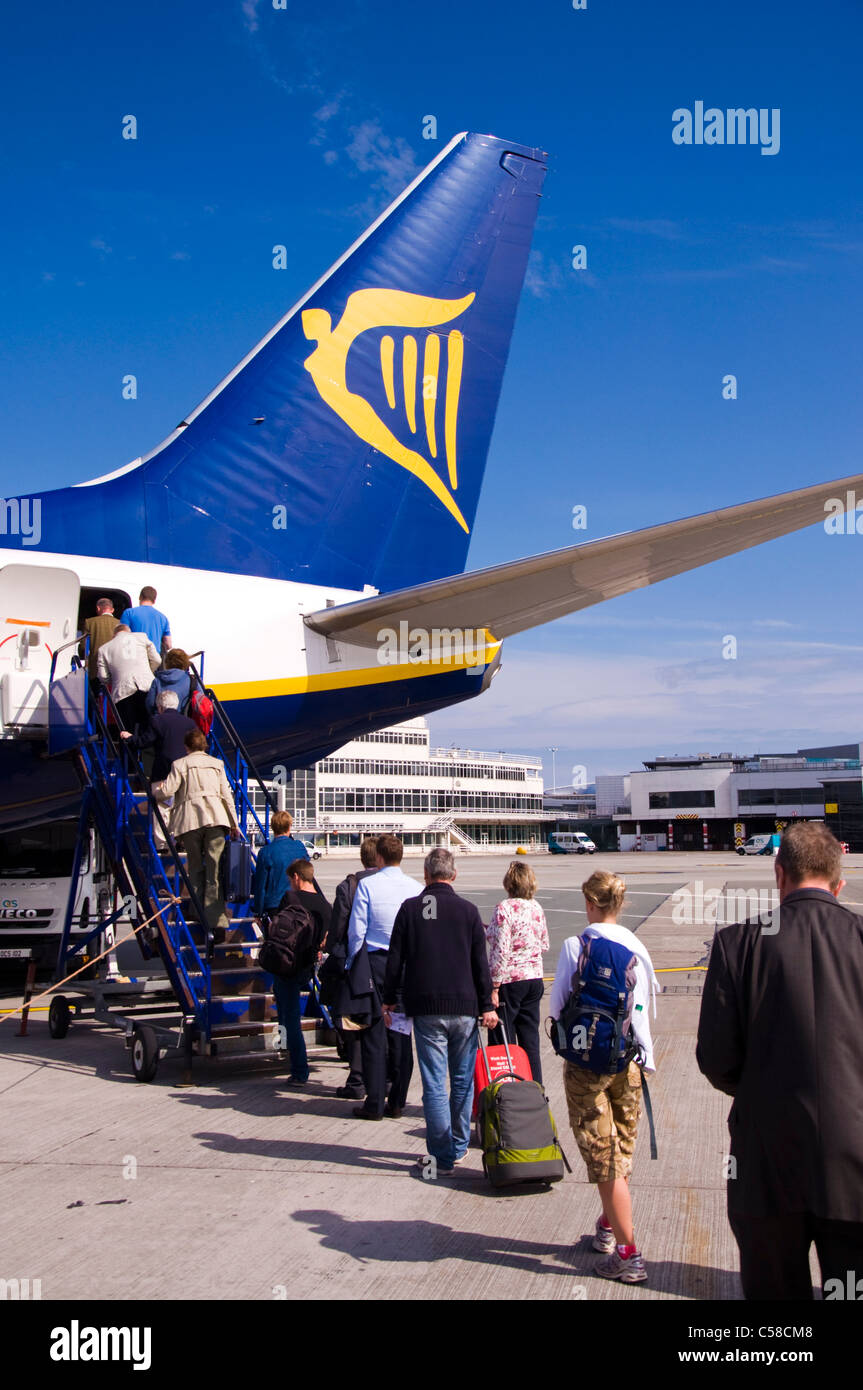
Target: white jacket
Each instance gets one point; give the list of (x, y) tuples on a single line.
[(127, 663), (646, 983)]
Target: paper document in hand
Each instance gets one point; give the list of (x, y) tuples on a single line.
[(400, 1023)]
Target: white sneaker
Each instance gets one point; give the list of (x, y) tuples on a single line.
[(604, 1240)]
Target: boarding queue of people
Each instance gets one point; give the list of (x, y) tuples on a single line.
[(403, 963), (780, 1004), (133, 656)]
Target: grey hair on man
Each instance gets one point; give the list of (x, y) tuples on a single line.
[(439, 866), (167, 699)]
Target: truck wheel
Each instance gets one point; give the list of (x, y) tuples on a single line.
[(145, 1053), (59, 1017)]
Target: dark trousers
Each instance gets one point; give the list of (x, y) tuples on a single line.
[(518, 1011), (133, 711), (774, 1254), (288, 1002), (387, 1056), (354, 1056)]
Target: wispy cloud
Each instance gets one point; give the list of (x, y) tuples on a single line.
[(660, 227), (323, 116), (771, 697), (99, 243), (777, 265), (388, 158), (250, 15), (543, 276)]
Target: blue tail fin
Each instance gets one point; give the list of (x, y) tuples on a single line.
[(348, 448)]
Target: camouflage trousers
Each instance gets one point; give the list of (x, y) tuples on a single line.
[(603, 1114)]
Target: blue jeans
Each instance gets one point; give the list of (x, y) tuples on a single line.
[(287, 994), (446, 1044)]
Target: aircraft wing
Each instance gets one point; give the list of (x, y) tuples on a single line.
[(521, 594)]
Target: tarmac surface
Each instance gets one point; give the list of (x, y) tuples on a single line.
[(239, 1187)]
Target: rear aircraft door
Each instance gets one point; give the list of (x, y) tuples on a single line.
[(38, 616)]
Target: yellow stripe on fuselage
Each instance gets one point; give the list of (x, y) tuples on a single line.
[(345, 680)]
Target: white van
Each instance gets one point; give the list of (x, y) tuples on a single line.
[(570, 842), (756, 844)]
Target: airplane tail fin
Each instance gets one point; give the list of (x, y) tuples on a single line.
[(348, 447)]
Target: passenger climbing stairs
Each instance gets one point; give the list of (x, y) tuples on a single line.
[(212, 998)]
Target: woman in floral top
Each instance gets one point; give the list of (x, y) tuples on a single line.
[(517, 935)]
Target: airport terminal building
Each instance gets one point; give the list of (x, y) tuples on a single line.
[(715, 801), (393, 780)]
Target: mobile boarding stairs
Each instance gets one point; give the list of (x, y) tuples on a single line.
[(208, 998)]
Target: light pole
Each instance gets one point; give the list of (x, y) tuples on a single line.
[(553, 751)]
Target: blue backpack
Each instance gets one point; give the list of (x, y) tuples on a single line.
[(595, 1026)]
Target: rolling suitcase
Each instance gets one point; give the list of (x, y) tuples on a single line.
[(519, 1137), (235, 867), (504, 1062)]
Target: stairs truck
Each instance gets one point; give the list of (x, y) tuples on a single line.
[(195, 995)]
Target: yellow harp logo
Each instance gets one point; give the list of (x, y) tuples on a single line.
[(368, 309)]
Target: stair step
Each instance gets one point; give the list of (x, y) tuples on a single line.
[(223, 1030), (243, 1008), (239, 981)]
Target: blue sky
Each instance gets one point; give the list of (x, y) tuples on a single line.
[(259, 126)]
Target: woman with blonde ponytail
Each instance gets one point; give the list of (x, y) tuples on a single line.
[(603, 1109)]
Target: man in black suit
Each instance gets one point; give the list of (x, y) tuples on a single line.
[(336, 947), (780, 1028)]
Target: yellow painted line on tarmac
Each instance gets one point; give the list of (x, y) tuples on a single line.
[(37, 1009), (660, 970)]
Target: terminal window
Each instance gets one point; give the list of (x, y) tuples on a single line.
[(780, 796), (673, 801)]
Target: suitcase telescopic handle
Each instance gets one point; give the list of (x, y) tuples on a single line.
[(512, 1070)]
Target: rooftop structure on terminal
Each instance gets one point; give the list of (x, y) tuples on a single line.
[(717, 800)]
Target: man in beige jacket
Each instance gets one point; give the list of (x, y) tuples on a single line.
[(203, 810)]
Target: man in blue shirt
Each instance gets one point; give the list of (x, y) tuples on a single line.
[(387, 1055), (273, 861), (147, 618)]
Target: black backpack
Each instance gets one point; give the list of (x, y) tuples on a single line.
[(292, 944)]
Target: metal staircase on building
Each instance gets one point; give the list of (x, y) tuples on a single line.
[(445, 825), (223, 1001)]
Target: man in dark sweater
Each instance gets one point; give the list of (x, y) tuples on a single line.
[(779, 1031), (438, 957), (166, 734)]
